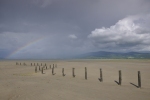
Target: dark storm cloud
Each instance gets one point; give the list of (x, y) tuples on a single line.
[(87, 14), (69, 26)]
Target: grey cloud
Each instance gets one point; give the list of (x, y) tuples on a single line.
[(72, 36), (42, 3), (23, 21), (124, 34), (87, 14), (49, 47), (13, 40)]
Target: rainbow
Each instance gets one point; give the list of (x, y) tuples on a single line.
[(25, 46)]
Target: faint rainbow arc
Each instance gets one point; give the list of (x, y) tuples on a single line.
[(25, 46)]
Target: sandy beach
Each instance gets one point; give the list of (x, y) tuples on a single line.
[(20, 82)]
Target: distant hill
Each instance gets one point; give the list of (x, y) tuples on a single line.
[(115, 55)]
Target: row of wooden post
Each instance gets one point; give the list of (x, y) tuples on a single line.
[(46, 68), (101, 75), (44, 65), (73, 73), (54, 65), (20, 64)]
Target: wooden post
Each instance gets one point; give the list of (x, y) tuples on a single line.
[(63, 72), (34, 64), (101, 75), (46, 67), (31, 64), (85, 73), (41, 64), (53, 71), (120, 77), (16, 63), (73, 73), (20, 63), (39, 68), (35, 69), (139, 79), (42, 70)]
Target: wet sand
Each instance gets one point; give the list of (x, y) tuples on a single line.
[(19, 82)]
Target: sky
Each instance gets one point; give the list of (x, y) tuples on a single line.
[(44, 29)]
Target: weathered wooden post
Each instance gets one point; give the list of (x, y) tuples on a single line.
[(31, 64), (34, 64), (41, 64), (39, 68), (53, 71), (85, 73), (36, 69), (120, 77), (20, 63), (73, 73), (63, 72), (101, 75), (16, 63), (42, 70), (46, 67), (139, 79)]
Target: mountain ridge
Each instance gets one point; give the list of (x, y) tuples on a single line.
[(119, 55)]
